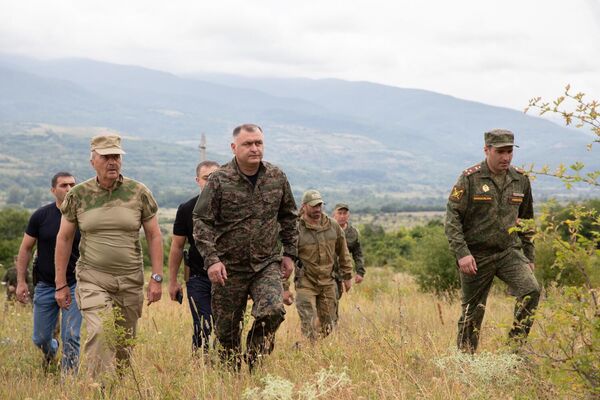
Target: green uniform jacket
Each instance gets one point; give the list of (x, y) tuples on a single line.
[(238, 224), (353, 242), (479, 214), (319, 246)]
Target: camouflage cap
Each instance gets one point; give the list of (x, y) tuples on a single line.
[(340, 206), (106, 144), (499, 138), (312, 198)]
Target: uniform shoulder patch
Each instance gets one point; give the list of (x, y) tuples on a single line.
[(456, 194), (520, 170), (472, 170)]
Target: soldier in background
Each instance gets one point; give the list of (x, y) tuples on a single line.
[(487, 201), (245, 207), (198, 284), (320, 242), (10, 281), (341, 213)]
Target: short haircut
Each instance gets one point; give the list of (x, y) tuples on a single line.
[(61, 174), (206, 163), (246, 127)]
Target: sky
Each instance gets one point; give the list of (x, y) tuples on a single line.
[(497, 52)]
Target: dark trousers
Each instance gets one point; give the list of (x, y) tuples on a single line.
[(199, 298)]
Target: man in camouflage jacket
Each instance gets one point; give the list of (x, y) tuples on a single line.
[(341, 213), (320, 242), (487, 201), (245, 207)]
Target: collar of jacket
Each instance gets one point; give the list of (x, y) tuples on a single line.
[(486, 173), (323, 225), (261, 168)]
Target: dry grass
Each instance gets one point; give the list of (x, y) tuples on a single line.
[(392, 343)]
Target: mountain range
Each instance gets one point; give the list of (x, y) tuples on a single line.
[(354, 140)]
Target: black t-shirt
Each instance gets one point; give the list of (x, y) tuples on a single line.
[(43, 225), (252, 178), (184, 226)]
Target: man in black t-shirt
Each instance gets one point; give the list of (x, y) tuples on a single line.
[(42, 229), (198, 285)]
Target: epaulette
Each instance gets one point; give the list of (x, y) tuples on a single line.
[(472, 170), (520, 170)]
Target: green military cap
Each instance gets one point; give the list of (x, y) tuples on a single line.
[(340, 206), (312, 197), (106, 144), (499, 138)]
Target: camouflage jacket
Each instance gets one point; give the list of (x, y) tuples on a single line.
[(238, 224), (353, 242), (318, 248), (479, 214)]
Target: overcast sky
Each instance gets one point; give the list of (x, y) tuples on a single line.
[(497, 52)]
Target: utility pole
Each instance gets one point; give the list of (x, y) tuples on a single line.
[(202, 148)]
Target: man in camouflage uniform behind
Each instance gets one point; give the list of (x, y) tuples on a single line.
[(487, 201), (341, 213), (320, 242), (245, 206), (109, 210)]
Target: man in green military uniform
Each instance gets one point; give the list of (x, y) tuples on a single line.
[(244, 208), (10, 281), (487, 201), (321, 241), (341, 213)]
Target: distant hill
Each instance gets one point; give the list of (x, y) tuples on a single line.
[(370, 143)]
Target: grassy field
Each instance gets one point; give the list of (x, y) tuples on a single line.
[(392, 342)]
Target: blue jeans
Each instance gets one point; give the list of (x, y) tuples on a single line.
[(45, 315), (198, 292)]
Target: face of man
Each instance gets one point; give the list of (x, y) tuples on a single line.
[(313, 212), (248, 147), (63, 185), (498, 158), (108, 167), (341, 215), (204, 173)]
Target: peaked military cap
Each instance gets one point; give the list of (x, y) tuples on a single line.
[(499, 138), (106, 144)]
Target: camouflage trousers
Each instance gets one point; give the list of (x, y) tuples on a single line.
[(229, 305), (510, 266), (339, 291), (314, 301)]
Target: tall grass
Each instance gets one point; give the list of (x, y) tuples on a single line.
[(392, 342)]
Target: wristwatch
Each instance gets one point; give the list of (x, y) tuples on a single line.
[(157, 277)]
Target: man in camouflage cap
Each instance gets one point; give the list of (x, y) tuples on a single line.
[(320, 242), (109, 210), (341, 213), (488, 200), (245, 206)]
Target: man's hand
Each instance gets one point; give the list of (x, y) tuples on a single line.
[(288, 298), (174, 287), (531, 266), (154, 292), (63, 297), (467, 265), (217, 273), (287, 266), (358, 279), (347, 285), (22, 292)]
